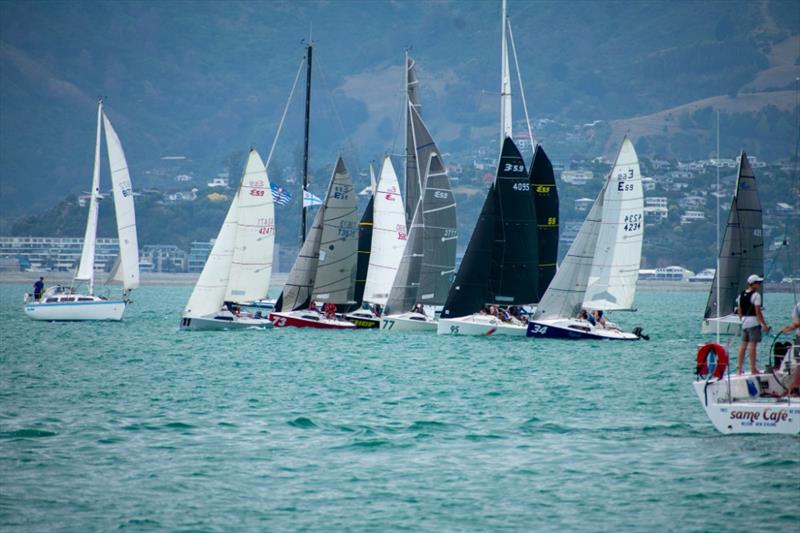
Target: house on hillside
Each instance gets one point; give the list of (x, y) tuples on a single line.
[(692, 216), (583, 204)]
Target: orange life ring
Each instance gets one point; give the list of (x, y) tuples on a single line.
[(721, 363)]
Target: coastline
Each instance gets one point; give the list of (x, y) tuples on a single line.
[(279, 278)]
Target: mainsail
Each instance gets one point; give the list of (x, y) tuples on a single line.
[(365, 231), (128, 271), (419, 144), (86, 266), (388, 236), (545, 197), (251, 264), (617, 257), (338, 249), (742, 251), (501, 262), (403, 295), (300, 282)]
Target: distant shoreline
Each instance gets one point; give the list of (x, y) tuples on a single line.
[(279, 278)]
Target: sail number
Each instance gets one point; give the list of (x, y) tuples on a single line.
[(538, 329), (509, 167), (401, 232), (257, 188), (340, 193), (632, 222), (388, 324), (622, 186), (521, 186), (266, 226)]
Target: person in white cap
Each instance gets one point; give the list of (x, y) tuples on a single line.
[(748, 305)]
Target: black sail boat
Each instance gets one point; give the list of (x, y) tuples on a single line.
[(501, 265), (741, 254), (545, 197)]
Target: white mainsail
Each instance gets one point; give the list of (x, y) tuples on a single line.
[(209, 292), (338, 248), (388, 236), (251, 264), (128, 272), (86, 266), (617, 257)]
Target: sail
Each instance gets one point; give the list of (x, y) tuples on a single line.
[(388, 236), (123, 208), (300, 282), (470, 290), (365, 230), (439, 234), (414, 177), (251, 265), (545, 198), (617, 257), (338, 249), (209, 291), (564, 297), (515, 255), (115, 275), (86, 266), (403, 295), (742, 251)]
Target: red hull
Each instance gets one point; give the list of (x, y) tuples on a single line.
[(299, 319)]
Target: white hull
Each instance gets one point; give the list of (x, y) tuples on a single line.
[(728, 325), (94, 310), (485, 325), (408, 322), (744, 405), (224, 321), (574, 328)]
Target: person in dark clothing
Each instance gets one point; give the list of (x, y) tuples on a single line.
[(38, 288)]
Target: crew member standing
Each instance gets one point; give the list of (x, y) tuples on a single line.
[(38, 288), (748, 306)]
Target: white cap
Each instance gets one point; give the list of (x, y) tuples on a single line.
[(754, 278)]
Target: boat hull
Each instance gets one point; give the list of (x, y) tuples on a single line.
[(574, 329), (364, 319), (408, 322), (481, 325), (76, 311), (211, 323), (737, 407), (308, 319)]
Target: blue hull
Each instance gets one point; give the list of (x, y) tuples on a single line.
[(549, 331)]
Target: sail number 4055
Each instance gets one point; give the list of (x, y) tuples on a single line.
[(521, 186)]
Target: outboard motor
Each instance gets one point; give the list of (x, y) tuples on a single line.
[(638, 332)]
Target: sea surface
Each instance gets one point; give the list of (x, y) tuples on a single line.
[(141, 427)]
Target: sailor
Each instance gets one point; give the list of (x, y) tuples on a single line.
[(418, 309), (794, 326), (330, 310), (748, 305), (503, 315), (598, 318), (38, 288)]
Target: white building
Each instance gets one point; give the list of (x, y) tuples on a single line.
[(692, 216), (577, 177), (583, 204), (692, 202), (656, 201), (218, 182), (648, 184)]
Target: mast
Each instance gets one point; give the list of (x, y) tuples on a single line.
[(505, 82), (309, 52)]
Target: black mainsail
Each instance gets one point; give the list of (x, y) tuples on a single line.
[(364, 248), (545, 197), (742, 251), (503, 245)]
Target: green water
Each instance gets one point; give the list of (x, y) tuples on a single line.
[(138, 426)]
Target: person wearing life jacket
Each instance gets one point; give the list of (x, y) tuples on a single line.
[(330, 310), (748, 305)]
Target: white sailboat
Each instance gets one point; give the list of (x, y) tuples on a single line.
[(389, 238), (601, 268), (67, 303), (239, 267)]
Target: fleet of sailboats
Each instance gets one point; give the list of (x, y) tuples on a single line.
[(70, 303)]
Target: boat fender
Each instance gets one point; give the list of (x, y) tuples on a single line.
[(719, 363)]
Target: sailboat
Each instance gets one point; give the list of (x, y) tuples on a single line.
[(510, 258), (325, 268), (601, 268), (239, 267), (427, 265), (66, 303), (387, 241), (741, 254), (501, 265)]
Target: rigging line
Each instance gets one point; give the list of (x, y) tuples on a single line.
[(521, 89), (283, 117), (348, 141)]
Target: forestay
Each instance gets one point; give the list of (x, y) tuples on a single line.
[(389, 236), (338, 249), (742, 251), (251, 265), (617, 256), (128, 271)]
